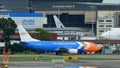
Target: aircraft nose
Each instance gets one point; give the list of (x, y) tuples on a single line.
[(98, 48), (105, 35)]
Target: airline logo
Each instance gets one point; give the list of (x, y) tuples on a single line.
[(28, 22), (87, 45), (80, 45)]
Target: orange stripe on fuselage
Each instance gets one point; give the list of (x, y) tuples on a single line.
[(91, 47), (89, 67)]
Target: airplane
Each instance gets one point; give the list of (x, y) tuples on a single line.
[(112, 34), (59, 47)]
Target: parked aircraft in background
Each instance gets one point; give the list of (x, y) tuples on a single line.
[(55, 46), (112, 34), (85, 33)]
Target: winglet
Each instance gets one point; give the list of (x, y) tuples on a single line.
[(24, 36)]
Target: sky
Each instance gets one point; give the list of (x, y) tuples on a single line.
[(111, 1)]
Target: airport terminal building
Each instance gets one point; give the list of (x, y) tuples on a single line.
[(94, 15)]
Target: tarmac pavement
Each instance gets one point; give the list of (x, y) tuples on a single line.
[(69, 64)]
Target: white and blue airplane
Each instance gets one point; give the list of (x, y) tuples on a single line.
[(53, 46)]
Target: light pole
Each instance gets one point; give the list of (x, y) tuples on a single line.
[(58, 10), (92, 7), (59, 13), (109, 36)]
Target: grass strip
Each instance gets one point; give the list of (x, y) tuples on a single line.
[(22, 58)]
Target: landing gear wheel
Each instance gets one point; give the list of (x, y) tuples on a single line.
[(59, 53)]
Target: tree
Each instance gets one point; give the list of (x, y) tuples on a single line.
[(8, 26), (44, 35)]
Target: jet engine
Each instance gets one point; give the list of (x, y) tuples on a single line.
[(73, 51)]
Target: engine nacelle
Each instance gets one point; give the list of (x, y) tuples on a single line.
[(73, 51)]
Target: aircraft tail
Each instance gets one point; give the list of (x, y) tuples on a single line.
[(24, 36), (58, 22)]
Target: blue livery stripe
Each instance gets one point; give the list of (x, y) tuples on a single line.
[(72, 67), (25, 14)]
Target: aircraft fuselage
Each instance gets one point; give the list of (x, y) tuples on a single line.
[(53, 46)]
